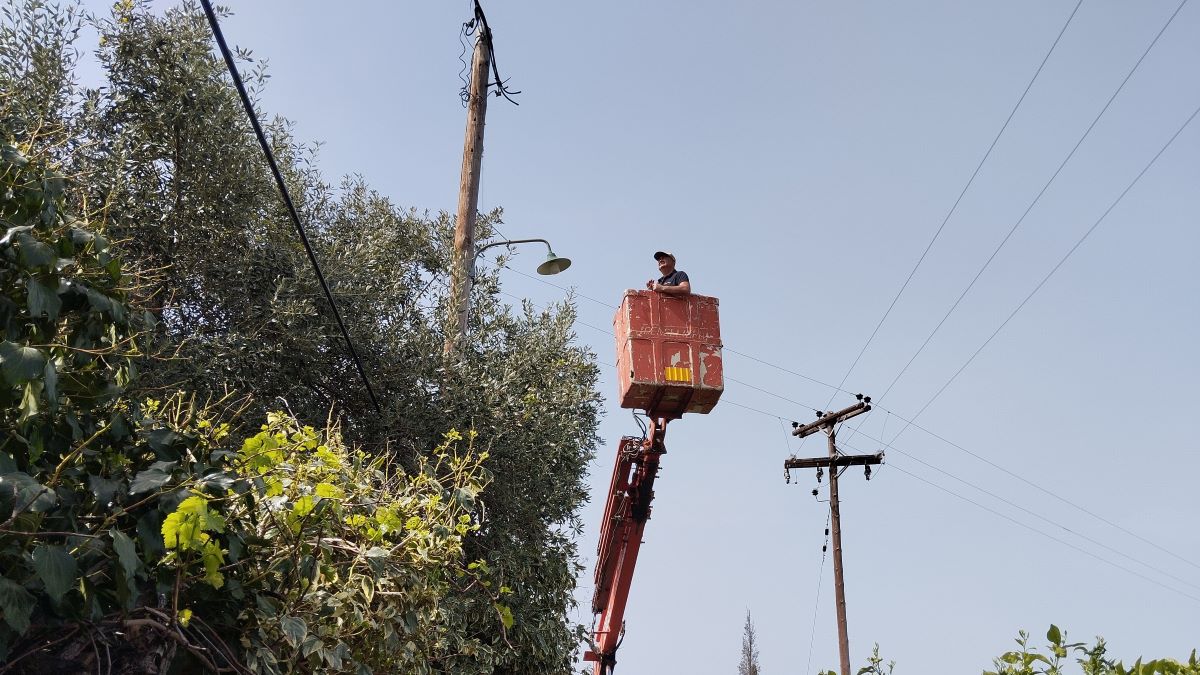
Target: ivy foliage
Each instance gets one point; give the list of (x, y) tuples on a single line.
[(143, 527), (216, 295)]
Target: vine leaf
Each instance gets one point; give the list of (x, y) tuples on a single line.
[(56, 568), (294, 629), (17, 604)]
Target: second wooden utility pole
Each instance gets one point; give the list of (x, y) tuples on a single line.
[(468, 193), (828, 422)]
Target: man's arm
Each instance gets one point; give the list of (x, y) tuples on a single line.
[(684, 288)]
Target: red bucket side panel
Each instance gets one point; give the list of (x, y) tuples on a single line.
[(674, 315), (668, 352)]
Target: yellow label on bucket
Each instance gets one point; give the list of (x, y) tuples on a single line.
[(674, 374)]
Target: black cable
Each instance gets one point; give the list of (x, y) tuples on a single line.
[(479, 23), (283, 191), (957, 201), (637, 417)]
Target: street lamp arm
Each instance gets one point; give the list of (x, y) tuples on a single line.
[(552, 265), (481, 249)]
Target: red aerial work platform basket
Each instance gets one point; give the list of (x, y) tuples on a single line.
[(668, 353)]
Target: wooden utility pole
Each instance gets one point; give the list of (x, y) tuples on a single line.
[(462, 277), (827, 422)]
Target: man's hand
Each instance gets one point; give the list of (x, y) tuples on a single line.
[(684, 288), (650, 285)]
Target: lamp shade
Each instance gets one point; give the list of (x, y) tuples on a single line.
[(553, 264)]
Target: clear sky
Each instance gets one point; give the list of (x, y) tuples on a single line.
[(798, 158)]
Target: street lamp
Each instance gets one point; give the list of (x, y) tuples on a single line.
[(552, 265), (461, 297)]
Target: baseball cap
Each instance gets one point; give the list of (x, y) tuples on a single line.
[(659, 255)]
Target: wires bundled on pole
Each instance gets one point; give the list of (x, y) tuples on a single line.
[(478, 24)]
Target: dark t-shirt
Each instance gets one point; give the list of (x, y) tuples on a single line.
[(674, 278)]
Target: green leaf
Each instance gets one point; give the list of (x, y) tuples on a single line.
[(506, 615), (328, 491), (56, 568), (20, 364), (29, 400), (99, 301), (12, 233), (126, 554), (218, 481), (158, 475), (17, 604), (213, 557), (27, 493), (162, 439), (294, 629), (186, 527), (267, 605), (80, 238), (149, 533), (34, 253), (335, 656), (312, 644), (1054, 635), (42, 300), (104, 489), (50, 378)]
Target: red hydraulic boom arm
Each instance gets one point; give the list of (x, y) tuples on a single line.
[(625, 516), (668, 364)]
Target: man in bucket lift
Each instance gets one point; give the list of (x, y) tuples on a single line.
[(672, 281)]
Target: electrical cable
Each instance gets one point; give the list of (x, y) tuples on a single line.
[(726, 377), (1010, 503), (1048, 536), (283, 191), (1049, 492), (1037, 515), (812, 639), (886, 445), (1035, 201), (787, 437), (726, 348), (478, 22), (1059, 264), (957, 201)]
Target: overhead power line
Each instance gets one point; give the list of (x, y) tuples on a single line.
[(1068, 544), (1087, 132), (958, 200), (1007, 517), (891, 446), (1039, 516), (1049, 492), (283, 191), (1054, 269), (1013, 504), (908, 422)]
